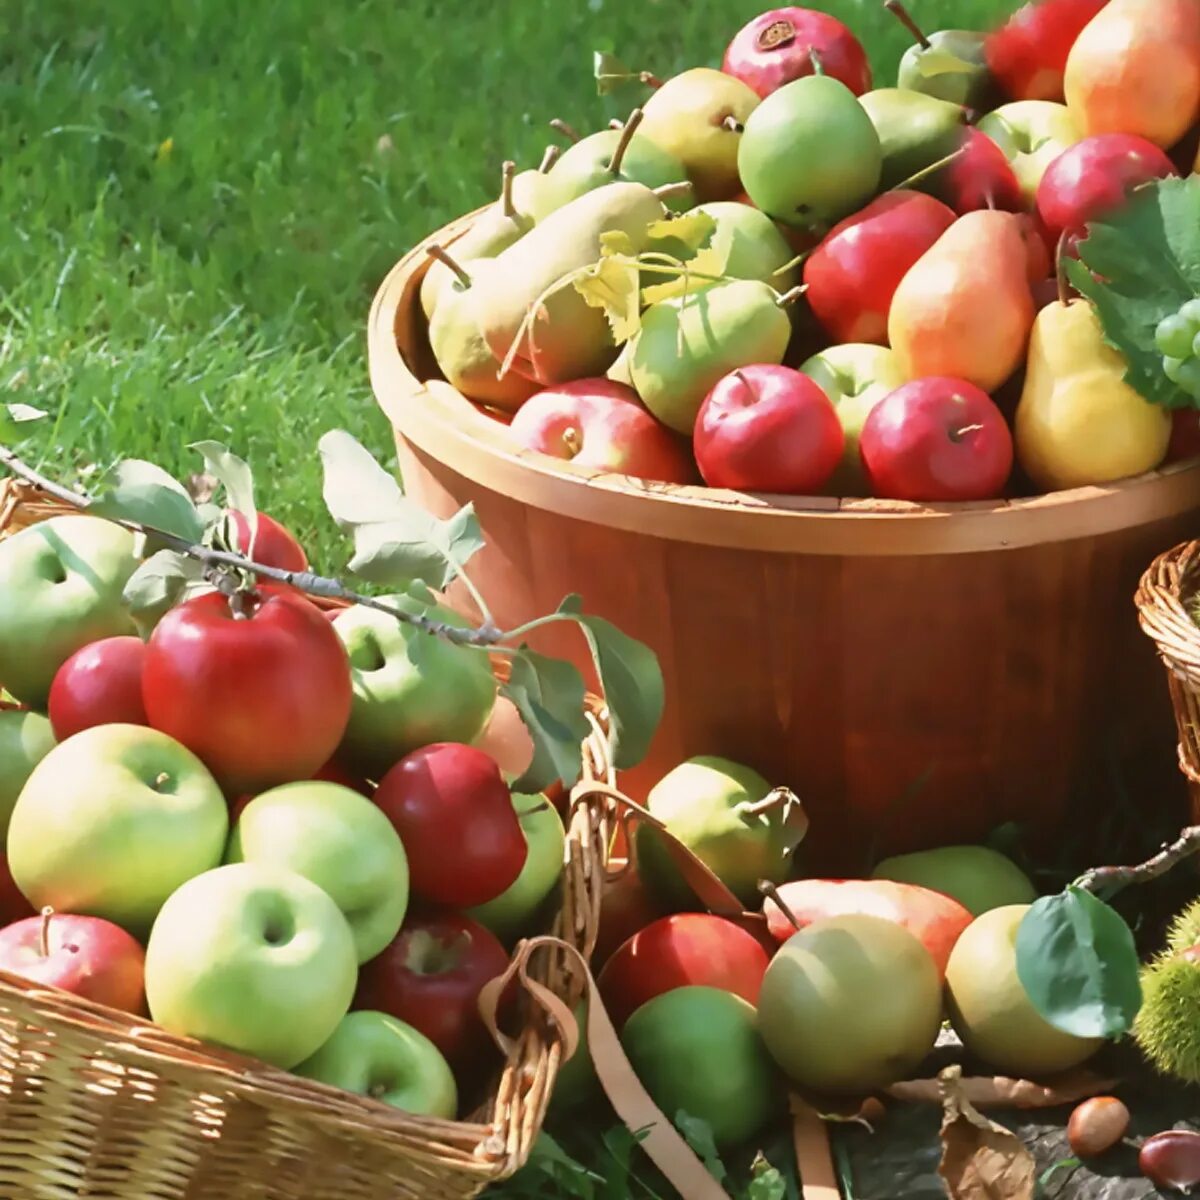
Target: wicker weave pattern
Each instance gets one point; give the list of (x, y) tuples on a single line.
[(95, 1103)]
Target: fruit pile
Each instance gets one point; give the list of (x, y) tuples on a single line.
[(280, 830), (778, 277)]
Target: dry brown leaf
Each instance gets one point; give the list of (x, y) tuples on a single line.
[(1001, 1092), (202, 488), (980, 1159)]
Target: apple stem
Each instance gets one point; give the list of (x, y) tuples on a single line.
[(905, 18), (239, 604), (668, 191), (627, 132), (436, 252), (769, 803), (771, 892), (506, 189), (926, 172), (568, 131), (571, 442), (529, 812), (790, 297), (733, 124), (552, 155), (818, 63), (44, 935), (1060, 270)]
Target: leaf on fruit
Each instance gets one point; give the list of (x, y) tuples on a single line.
[(611, 73), (613, 284), (158, 585), (934, 63), (981, 1160), (146, 495), (1077, 960), (15, 420), (235, 476), (709, 257), (616, 242), (691, 230), (549, 695), (1140, 264), (699, 1135)]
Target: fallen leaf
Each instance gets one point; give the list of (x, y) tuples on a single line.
[(1001, 1092), (202, 488), (980, 1159)]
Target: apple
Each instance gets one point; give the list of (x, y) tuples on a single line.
[(455, 816), (855, 377), (25, 739), (680, 951), (410, 689), (372, 1054), (980, 176), (431, 976), (13, 905), (88, 956), (790, 43), (852, 275), (254, 958), (1094, 178), (937, 439), (626, 907), (273, 545), (514, 913), (1032, 134), (99, 685), (262, 694), (1027, 56), (1185, 437), (341, 842), (506, 738), (61, 583), (331, 772), (112, 821), (602, 425), (768, 428)]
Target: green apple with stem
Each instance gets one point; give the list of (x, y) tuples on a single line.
[(25, 739), (1032, 134)]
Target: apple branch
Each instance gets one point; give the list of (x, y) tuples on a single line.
[(1111, 879)]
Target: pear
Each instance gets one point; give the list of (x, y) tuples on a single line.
[(531, 190), (697, 118), (1078, 422), (915, 131), (687, 343), (948, 65), (978, 877), (965, 308), (568, 338)]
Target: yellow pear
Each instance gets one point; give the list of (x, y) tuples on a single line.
[(1078, 422)]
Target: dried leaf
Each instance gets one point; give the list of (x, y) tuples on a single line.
[(614, 242), (692, 230), (980, 1159), (712, 260), (1001, 1092), (201, 487), (614, 286)]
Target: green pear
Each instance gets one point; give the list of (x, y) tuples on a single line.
[(809, 156), (915, 131), (729, 817), (978, 877), (949, 65), (569, 339), (25, 739), (687, 343)]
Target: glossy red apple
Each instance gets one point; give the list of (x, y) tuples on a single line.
[(765, 428), (601, 424), (274, 545), (88, 956), (789, 43), (936, 439), (979, 177), (1027, 55), (853, 274), (1094, 178), (99, 685)]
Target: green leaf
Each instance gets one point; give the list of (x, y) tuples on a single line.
[(236, 478), (616, 241), (356, 489), (158, 585), (614, 285), (1077, 961), (146, 495), (690, 230), (766, 1182), (549, 695), (15, 420), (699, 1135), (611, 73)]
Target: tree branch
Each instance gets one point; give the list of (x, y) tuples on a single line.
[(1106, 878)]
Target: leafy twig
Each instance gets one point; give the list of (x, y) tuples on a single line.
[(1110, 879)]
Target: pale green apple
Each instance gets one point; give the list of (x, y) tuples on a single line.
[(410, 689), (373, 1054), (25, 739), (61, 583), (1032, 134), (112, 821), (978, 877), (855, 377), (340, 841), (514, 912), (254, 958)]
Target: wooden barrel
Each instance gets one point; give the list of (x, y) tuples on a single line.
[(918, 674)]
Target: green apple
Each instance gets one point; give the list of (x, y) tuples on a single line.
[(855, 377), (254, 958), (1032, 134), (25, 739), (697, 1049), (61, 583), (112, 821), (914, 130), (514, 913), (577, 1084), (373, 1054), (410, 689), (340, 841), (978, 877), (950, 64)]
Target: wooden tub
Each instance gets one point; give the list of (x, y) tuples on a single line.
[(917, 674)]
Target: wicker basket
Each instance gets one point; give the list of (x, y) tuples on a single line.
[(94, 1102)]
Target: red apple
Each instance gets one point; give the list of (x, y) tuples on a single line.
[(1027, 55), (274, 546), (430, 976), (1094, 178), (789, 43), (626, 908), (936, 439), (13, 905), (768, 429), (1185, 435), (601, 424), (979, 177), (688, 949), (88, 956), (853, 274), (99, 685), (455, 816)]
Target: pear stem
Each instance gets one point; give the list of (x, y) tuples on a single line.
[(44, 933), (616, 124), (905, 18), (788, 297), (552, 155), (1060, 270), (506, 189), (627, 132), (571, 442), (926, 172), (650, 79), (733, 124), (560, 126), (779, 797), (771, 892), (436, 252), (668, 191)]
